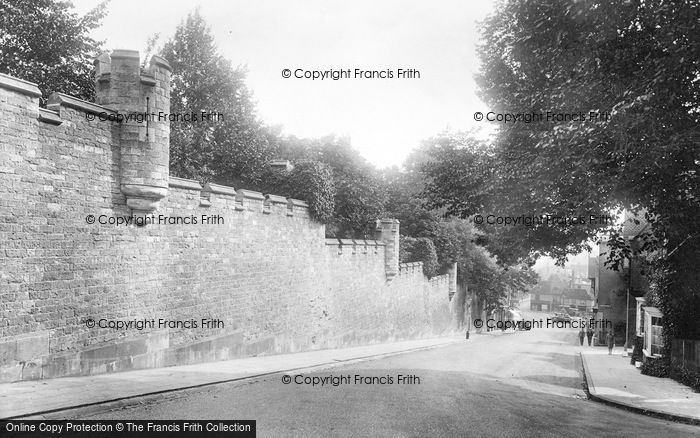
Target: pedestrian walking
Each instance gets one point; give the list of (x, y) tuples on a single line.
[(610, 340), (581, 335), (589, 335)]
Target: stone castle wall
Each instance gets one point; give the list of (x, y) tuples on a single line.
[(256, 267)]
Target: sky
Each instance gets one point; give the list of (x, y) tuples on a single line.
[(384, 118)]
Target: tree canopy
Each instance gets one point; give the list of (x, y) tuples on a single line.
[(45, 42), (630, 68), (617, 85), (360, 193), (230, 149), (455, 239)]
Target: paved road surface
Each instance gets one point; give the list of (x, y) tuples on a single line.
[(524, 384)]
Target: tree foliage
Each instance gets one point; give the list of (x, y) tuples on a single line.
[(636, 65), (236, 151), (45, 42), (231, 149), (419, 249), (456, 240), (360, 192), (311, 181), (637, 61)]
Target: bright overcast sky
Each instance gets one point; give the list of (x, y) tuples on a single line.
[(384, 118)]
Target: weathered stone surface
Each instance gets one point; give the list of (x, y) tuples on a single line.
[(32, 346), (8, 352), (271, 277)]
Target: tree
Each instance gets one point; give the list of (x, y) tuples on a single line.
[(415, 219), (636, 61), (311, 181), (405, 201), (360, 192), (45, 42), (617, 86), (456, 240), (419, 249), (230, 147)]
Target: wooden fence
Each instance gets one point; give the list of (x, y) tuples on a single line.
[(687, 353)]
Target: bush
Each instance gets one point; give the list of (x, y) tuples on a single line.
[(310, 181), (656, 367), (662, 367), (685, 376), (637, 354), (419, 249)]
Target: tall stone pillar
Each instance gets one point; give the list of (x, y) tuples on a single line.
[(387, 231), (452, 277), (144, 141)]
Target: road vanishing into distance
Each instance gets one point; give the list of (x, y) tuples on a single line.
[(514, 384)]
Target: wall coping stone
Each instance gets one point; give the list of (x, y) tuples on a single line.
[(276, 199), (124, 53), (349, 242), (182, 183), (161, 62), (57, 100), (250, 194), (298, 202), (49, 116), (19, 85), (219, 189), (147, 79), (388, 221)]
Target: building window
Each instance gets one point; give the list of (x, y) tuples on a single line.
[(653, 339), (656, 341)]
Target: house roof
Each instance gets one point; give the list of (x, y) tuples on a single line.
[(653, 311), (576, 294)]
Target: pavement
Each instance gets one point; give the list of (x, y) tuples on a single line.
[(37, 397), (611, 379)]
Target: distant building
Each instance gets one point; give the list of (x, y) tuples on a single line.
[(542, 302), (546, 296), (614, 292), (577, 298), (550, 294)]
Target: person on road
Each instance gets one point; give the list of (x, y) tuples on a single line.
[(589, 335), (610, 340), (581, 335)]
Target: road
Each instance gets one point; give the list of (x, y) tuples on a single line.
[(521, 384)]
